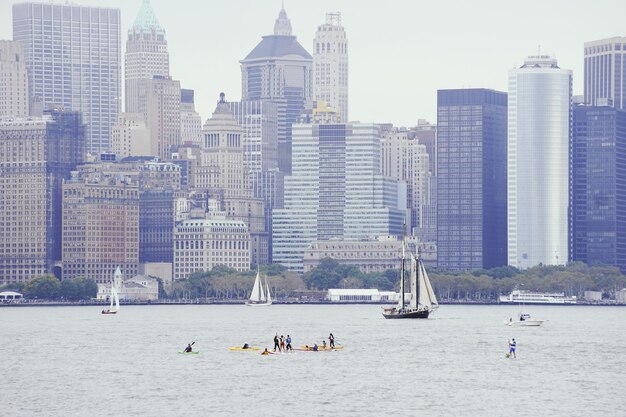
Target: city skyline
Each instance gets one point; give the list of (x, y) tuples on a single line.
[(406, 81)]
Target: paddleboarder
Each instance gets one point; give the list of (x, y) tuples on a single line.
[(512, 346), (276, 345), (289, 344), (331, 339)]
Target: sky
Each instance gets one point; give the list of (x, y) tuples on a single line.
[(400, 51)]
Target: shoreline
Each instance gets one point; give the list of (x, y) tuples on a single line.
[(242, 302)]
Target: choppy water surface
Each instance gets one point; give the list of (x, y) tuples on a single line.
[(73, 361)]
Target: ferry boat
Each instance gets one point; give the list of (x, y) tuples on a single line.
[(529, 297)]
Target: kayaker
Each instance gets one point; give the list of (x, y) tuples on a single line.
[(315, 347), (276, 345), (323, 344), (245, 346), (289, 343), (331, 339), (188, 348), (266, 352), (512, 346)]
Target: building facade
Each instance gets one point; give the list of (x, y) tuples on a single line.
[(407, 161), (605, 72), (190, 120), (279, 69), (203, 243), (336, 191), (100, 224), (374, 255), (471, 193), (146, 55), (14, 97), (539, 119), (130, 136), (159, 102), (330, 65), (598, 193), (73, 56), (36, 155)]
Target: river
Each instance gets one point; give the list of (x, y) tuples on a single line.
[(73, 361)]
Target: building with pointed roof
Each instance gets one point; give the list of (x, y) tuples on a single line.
[(279, 69), (146, 54)]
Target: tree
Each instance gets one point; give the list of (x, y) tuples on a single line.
[(78, 289), (45, 287)]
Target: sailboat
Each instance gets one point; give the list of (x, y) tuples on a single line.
[(422, 300), (260, 295), (115, 298)]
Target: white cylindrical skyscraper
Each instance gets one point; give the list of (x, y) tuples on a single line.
[(539, 123)]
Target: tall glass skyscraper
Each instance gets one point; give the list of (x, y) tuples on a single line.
[(279, 69), (73, 59), (598, 196), (605, 72), (335, 191), (471, 193), (539, 119)]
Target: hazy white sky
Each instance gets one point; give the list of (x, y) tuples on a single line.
[(401, 51)]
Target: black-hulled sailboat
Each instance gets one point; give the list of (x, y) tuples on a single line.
[(422, 300)]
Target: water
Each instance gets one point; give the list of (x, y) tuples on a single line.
[(73, 361)]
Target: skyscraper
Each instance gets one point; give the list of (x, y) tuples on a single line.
[(190, 120), (539, 118), (14, 97), (407, 161), (146, 55), (471, 193), (279, 69), (336, 190), (330, 65), (73, 59), (605, 72), (130, 136), (159, 102), (37, 155), (598, 196)]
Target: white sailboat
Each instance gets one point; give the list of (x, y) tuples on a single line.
[(422, 300), (115, 298), (260, 295)]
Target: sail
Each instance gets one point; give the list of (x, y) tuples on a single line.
[(429, 287), (269, 295), (116, 297), (414, 282), (112, 297), (424, 298), (256, 289)]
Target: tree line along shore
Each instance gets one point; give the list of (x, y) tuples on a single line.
[(226, 284)]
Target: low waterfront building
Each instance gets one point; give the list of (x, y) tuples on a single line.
[(138, 288), (202, 243), (10, 296), (592, 295), (376, 255), (356, 295), (620, 296)]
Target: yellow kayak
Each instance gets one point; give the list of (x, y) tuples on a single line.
[(240, 348), (310, 347)]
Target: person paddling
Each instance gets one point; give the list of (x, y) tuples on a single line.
[(189, 348), (512, 346), (266, 352), (331, 339)]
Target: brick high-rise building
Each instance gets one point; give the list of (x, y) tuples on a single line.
[(14, 96), (37, 155)]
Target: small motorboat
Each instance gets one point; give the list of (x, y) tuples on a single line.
[(524, 319)]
